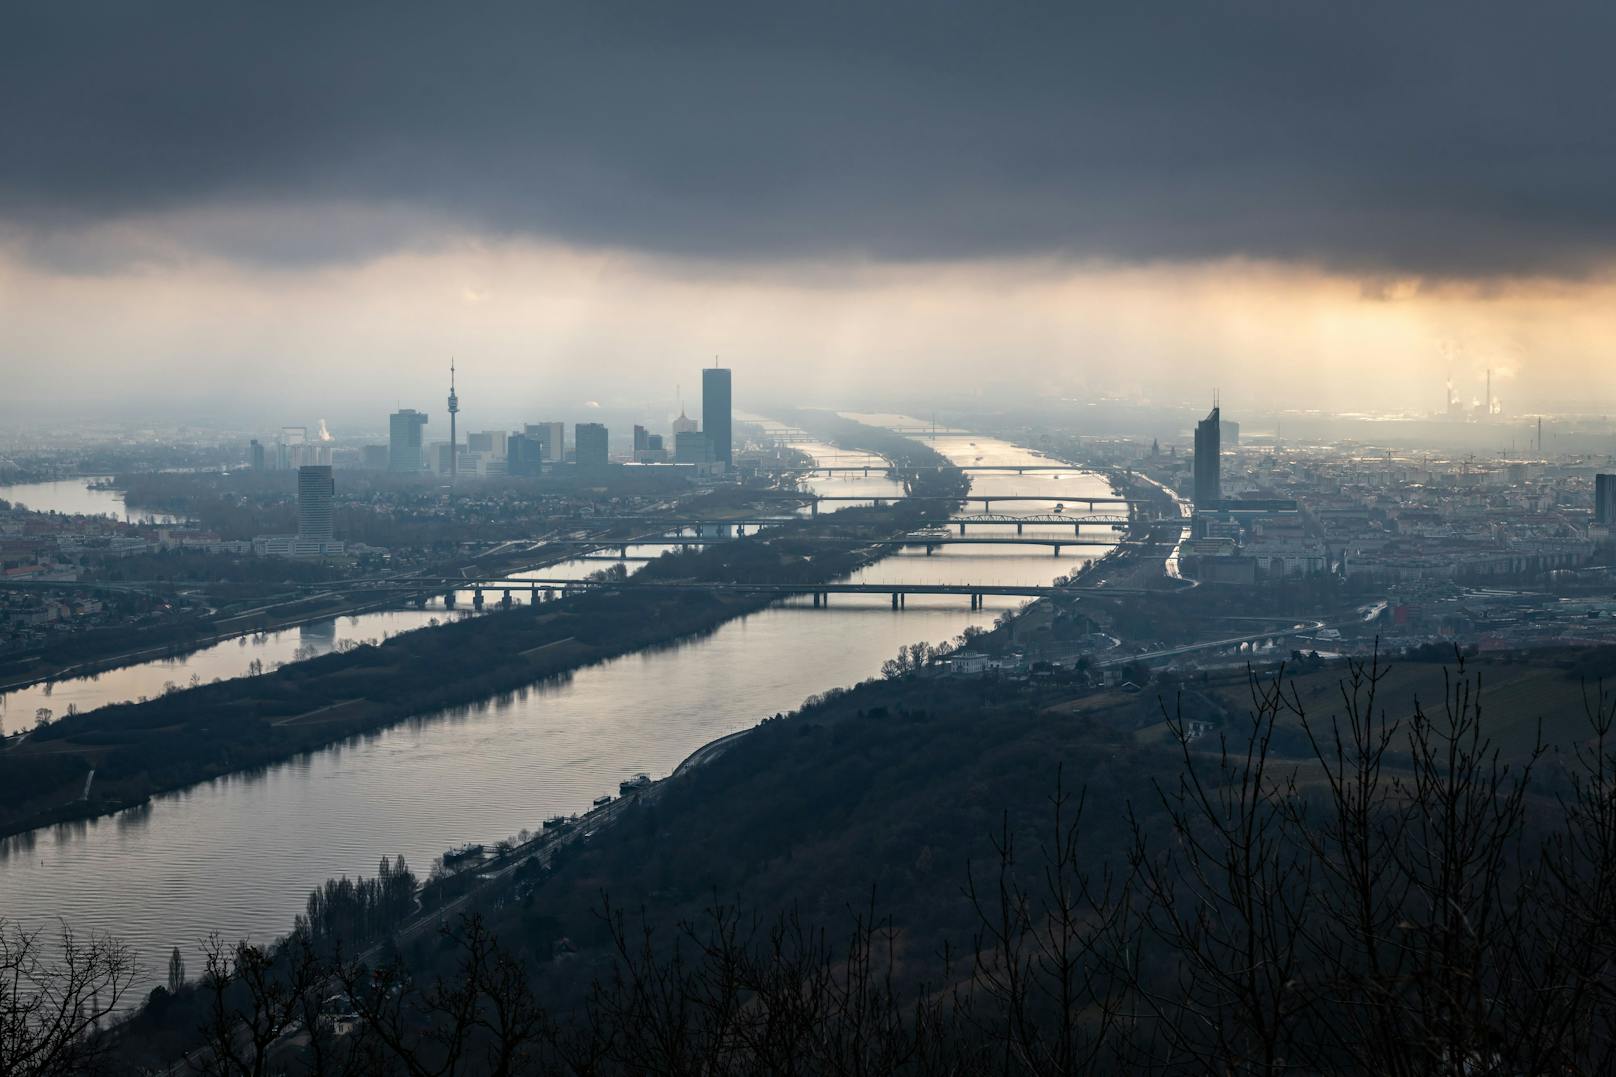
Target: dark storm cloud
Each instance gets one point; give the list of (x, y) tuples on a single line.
[(1466, 139)]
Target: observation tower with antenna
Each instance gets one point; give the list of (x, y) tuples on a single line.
[(454, 409)]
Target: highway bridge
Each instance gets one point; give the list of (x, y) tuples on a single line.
[(885, 469), (918, 538), (930, 433), (23, 583), (986, 500), (929, 543), (546, 588), (672, 522)]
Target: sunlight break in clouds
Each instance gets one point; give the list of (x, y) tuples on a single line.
[(138, 310)]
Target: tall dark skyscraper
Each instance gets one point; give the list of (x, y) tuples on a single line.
[(404, 440), (1605, 500), (315, 489), (1208, 443), (715, 414), (591, 445)]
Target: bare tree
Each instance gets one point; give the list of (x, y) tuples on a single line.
[(176, 971), (1042, 988), (1402, 900), (256, 997), (53, 1001), (481, 1020)]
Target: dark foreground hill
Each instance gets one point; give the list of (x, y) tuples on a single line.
[(974, 875)]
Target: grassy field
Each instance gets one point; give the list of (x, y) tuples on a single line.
[(1517, 697)]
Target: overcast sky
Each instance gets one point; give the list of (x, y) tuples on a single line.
[(305, 208)]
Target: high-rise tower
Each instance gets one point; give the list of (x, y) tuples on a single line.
[(314, 492), (715, 414), (454, 409), (1208, 444), (404, 440), (592, 453), (1605, 500)]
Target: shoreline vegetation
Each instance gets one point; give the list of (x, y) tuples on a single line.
[(103, 650), (253, 606), (138, 750)]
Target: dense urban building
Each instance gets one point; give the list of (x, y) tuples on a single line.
[(550, 438), (489, 442), (591, 451), (692, 447), (523, 455), (404, 441), (654, 450)]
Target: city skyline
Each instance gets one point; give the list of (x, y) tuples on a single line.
[(729, 538)]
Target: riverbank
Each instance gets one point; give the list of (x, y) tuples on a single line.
[(26, 670), (189, 641), (249, 608), (193, 735)]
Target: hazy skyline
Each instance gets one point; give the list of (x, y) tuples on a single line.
[(305, 210)]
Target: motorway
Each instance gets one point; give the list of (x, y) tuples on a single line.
[(1295, 627)]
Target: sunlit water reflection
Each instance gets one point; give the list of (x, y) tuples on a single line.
[(239, 855)]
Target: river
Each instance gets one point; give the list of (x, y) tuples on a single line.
[(239, 855), (227, 659), (76, 497)]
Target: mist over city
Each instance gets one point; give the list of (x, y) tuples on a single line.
[(903, 538)]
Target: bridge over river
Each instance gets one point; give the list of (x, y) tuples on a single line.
[(1021, 521), (821, 592), (887, 469), (915, 541), (985, 500)]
